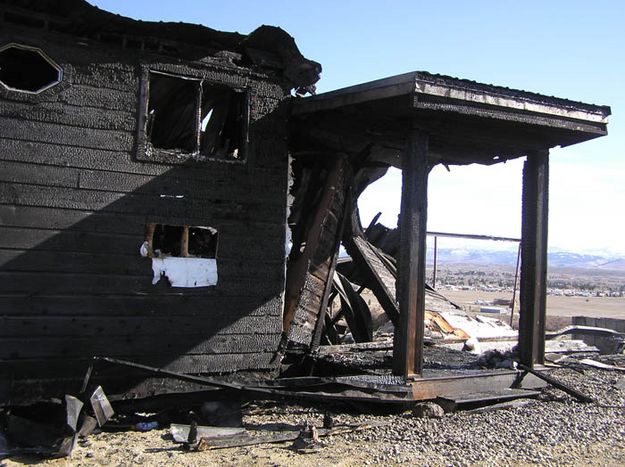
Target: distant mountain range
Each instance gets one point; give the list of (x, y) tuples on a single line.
[(559, 259)]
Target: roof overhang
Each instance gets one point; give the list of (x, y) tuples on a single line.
[(467, 121)]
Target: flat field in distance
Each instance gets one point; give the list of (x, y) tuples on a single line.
[(571, 291), (598, 307)]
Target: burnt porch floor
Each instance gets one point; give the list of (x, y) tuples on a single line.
[(363, 372), (376, 359)]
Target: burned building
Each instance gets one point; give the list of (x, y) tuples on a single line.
[(144, 193), (166, 201)]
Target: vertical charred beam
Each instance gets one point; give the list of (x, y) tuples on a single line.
[(533, 290), (325, 300), (184, 241), (408, 344), (309, 271)]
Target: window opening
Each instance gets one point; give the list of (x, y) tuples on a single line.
[(186, 256), (203, 242), (181, 241), (172, 112), (27, 69), (194, 116), (222, 121)]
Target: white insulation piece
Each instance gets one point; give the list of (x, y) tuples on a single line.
[(185, 272)]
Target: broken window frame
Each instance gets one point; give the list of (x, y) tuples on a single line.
[(45, 57), (146, 151), (150, 229)]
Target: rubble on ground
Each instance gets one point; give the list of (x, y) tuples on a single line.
[(553, 429)]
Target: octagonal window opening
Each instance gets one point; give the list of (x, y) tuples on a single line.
[(27, 69)]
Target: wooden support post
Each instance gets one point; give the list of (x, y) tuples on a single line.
[(533, 290), (184, 241), (408, 343), (149, 237)]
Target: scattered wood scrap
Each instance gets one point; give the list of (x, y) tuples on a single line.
[(603, 366), (502, 406), (585, 330), (182, 433), (557, 384), (219, 438)]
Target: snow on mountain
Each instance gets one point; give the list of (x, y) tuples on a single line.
[(558, 258)]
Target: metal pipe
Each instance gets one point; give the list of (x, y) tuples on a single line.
[(434, 269), (474, 236), (516, 279)]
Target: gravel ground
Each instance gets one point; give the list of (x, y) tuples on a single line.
[(553, 430)]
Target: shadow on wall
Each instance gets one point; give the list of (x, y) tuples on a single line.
[(75, 284)]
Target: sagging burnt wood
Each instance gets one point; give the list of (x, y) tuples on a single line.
[(143, 196), (322, 192), (378, 277)]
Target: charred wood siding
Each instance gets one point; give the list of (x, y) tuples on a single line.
[(74, 202)]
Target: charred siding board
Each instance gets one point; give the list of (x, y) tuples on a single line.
[(23, 130), (56, 376), (264, 191), (86, 326), (185, 364), (138, 203), (80, 117), (117, 307), (132, 343), (74, 202), (36, 217), (60, 241), (89, 263)]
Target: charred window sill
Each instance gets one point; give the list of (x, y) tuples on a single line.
[(166, 156)]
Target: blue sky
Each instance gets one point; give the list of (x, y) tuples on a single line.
[(566, 48)]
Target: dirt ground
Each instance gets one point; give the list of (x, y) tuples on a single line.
[(149, 449), (501, 439)]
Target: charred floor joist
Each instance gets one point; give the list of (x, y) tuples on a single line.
[(165, 200)]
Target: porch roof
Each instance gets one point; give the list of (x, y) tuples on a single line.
[(466, 121)]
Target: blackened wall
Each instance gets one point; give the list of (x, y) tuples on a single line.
[(74, 202)]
